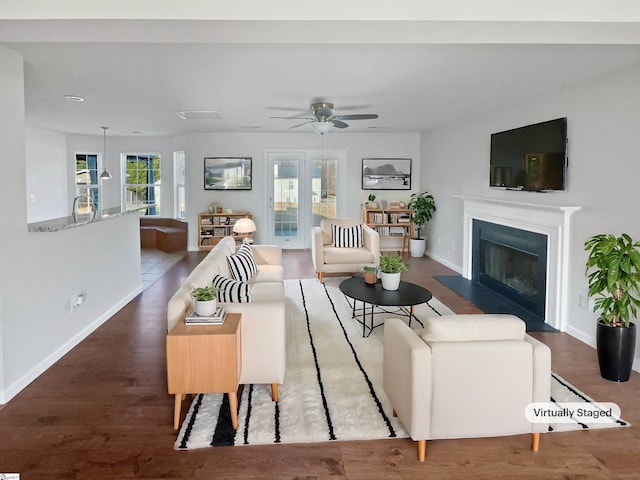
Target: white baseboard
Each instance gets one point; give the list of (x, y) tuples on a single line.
[(56, 355), (446, 263)]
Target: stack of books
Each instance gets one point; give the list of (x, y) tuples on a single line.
[(217, 318)]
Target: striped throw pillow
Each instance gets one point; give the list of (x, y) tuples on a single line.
[(350, 237), (242, 265), (231, 291)]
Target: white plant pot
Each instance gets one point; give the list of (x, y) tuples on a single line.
[(417, 246), (390, 281), (205, 308)]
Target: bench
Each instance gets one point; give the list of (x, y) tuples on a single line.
[(166, 234)]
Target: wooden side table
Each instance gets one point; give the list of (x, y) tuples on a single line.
[(205, 359)]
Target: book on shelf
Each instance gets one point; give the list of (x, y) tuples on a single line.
[(217, 318)]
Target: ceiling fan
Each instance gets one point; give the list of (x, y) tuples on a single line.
[(322, 118)]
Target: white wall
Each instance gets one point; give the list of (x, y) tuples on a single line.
[(48, 169), (357, 146), (603, 126), (35, 332)]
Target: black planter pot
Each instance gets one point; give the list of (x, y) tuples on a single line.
[(616, 348)]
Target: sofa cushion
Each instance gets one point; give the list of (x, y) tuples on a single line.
[(267, 292), (346, 237), (475, 327), (242, 265), (232, 291), (268, 273), (334, 255)]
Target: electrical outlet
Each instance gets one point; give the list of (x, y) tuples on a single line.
[(583, 302), (77, 301)]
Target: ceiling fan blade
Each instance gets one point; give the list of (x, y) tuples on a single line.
[(356, 116), (294, 118), (338, 123), (300, 124)]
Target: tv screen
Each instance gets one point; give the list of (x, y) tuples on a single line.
[(531, 157)]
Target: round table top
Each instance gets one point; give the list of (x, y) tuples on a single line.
[(407, 294)]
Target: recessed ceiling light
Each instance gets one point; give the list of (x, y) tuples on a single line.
[(199, 115), (73, 98)]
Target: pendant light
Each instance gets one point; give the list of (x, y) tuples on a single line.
[(105, 175)]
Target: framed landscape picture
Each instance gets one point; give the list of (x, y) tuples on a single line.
[(386, 174), (227, 173)]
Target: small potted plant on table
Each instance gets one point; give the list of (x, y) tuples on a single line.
[(422, 206), (205, 300), (613, 269), (391, 266)]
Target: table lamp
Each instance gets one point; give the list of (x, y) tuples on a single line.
[(244, 226)]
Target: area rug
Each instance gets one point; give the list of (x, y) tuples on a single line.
[(333, 384)]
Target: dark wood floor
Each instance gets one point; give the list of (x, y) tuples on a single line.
[(103, 412)]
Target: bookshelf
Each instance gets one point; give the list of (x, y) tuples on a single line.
[(212, 227), (390, 223)]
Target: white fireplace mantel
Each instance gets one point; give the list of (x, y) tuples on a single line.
[(549, 220)]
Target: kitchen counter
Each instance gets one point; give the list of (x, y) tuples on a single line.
[(72, 221)]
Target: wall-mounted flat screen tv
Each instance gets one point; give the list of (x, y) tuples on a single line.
[(533, 157)]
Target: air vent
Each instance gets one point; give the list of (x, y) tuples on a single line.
[(199, 115)]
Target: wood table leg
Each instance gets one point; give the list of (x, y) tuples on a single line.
[(233, 407), (535, 441), (176, 410)]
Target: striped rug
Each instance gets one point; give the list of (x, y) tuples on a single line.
[(333, 384)]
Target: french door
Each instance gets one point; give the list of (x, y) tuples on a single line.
[(303, 188)]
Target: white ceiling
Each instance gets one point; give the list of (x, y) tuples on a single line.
[(135, 75)]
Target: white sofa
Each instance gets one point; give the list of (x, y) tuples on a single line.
[(466, 376), (330, 259), (263, 319)]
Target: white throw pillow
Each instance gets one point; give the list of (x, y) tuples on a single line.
[(242, 265), (231, 291), (344, 237)]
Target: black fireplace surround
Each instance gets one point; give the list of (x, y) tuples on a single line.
[(511, 262)]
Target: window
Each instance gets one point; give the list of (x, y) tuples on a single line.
[(142, 182), (323, 186), (180, 182), (87, 179)]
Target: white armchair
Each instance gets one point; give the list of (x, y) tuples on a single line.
[(467, 376), (330, 259)]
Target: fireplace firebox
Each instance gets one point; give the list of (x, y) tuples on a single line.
[(511, 262)]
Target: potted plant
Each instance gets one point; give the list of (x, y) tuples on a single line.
[(370, 274), (391, 266), (371, 203), (422, 206), (613, 269), (205, 300)]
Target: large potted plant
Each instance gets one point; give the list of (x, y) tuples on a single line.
[(613, 270), (422, 206), (391, 266), (205, 300)]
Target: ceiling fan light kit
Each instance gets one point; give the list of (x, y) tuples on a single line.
[(322, 118), (321, 127)]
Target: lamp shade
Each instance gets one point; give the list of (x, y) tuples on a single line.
[(244, 225)]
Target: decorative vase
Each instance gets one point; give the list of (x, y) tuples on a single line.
[(390, 281), (205, 308), (616, 348), (417, 246), (370, 278)]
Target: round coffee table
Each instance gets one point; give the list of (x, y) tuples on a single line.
[(407, 295)]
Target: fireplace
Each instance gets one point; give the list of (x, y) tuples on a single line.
[(552, 222), (511, 262)]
